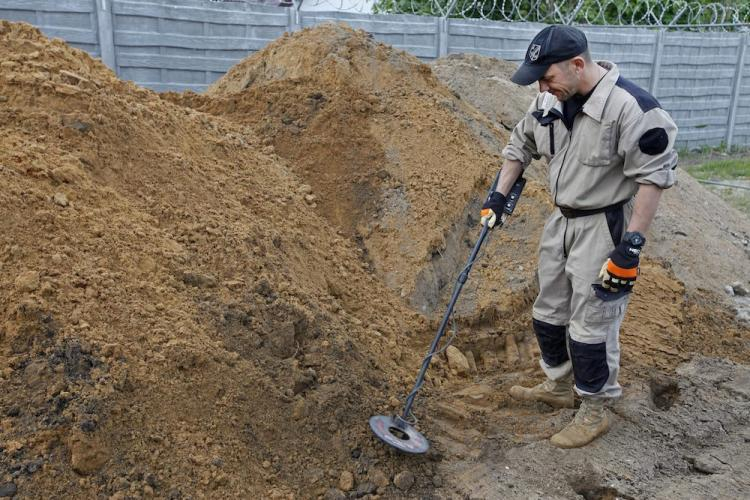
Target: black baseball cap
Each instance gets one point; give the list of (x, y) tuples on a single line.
[(551, 45)]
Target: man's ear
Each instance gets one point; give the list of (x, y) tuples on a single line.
[(578, 63)]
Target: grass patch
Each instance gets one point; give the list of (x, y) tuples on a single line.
[(729, 170), (737, 168), (737, 198)]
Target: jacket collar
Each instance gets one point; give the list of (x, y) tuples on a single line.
[(549, 109), (594, 107)]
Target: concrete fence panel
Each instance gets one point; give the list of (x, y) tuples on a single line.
[(633, 51), (188, 44), (500, 40), (74, 21), (696, 84), (702, 79)]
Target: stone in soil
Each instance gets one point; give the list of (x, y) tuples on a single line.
[(27, 281), (60, 199), (8, 490), (457, 361), (334, 494), (378, 477), (86, 455), (404, 480), (346, 481), (33, 466), (88, 426), (366, 488), (199, 280), (708, 464), (739, 289)]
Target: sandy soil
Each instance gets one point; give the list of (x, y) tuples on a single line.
[(385, 147), (207, 296)]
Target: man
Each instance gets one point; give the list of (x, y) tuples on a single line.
[(610, 149)]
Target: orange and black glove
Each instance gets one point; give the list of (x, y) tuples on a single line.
[(621, 269), (492, 209)]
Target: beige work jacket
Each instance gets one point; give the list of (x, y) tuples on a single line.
[(620, 139)]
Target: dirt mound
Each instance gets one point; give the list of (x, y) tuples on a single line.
[(485, 83), (391, 154), (702, 236), (175, 320)]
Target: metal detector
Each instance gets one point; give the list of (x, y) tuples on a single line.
[(398, 431)]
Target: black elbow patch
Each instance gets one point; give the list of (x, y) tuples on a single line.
[(654, 141)]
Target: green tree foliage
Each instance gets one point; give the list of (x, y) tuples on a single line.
[(635, 12)]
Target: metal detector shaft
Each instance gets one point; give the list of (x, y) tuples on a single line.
[(441, 330), (510, 205)]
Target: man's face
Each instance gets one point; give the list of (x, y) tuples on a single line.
[(560, 80)]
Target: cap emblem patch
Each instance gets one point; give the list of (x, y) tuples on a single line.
[(534, 51)]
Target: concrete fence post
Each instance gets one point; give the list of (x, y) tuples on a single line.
[(736, 86), (443, 25), (442, 29), (106, 33), (294, 23), (656, 64)]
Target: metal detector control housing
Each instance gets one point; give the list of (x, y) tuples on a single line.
[(396, 430)]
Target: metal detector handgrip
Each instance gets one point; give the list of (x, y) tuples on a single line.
[(514, 195)]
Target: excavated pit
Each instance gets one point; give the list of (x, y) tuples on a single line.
[(438, 277)]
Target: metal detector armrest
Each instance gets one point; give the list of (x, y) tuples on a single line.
[(514, 195)]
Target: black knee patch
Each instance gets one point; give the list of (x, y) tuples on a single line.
[(589, 365), (551, 340)]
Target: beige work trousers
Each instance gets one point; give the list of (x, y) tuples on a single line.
[(571, 254)]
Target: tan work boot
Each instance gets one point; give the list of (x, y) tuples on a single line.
[(590, 422), (556, 393)]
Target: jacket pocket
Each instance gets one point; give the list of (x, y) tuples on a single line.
[(598, 145), (544, 135)]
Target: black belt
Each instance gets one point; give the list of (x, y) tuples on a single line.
[(572, 213)]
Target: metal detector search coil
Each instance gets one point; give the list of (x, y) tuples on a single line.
[(396, 431), (399, 434)]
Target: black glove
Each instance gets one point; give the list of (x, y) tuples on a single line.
[(492, 209), (621, 269)]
